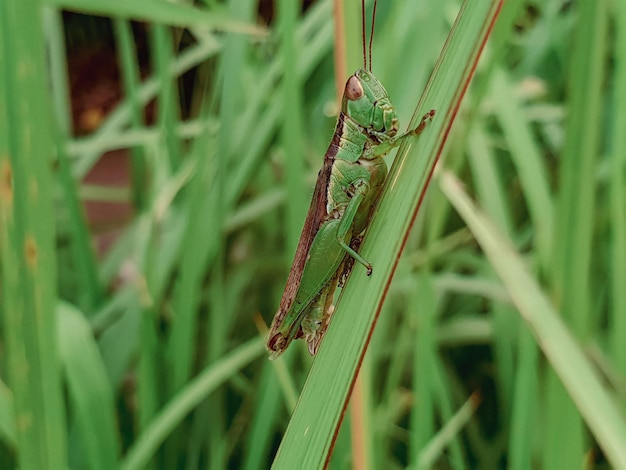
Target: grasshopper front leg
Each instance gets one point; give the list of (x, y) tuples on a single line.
[(389, 144)]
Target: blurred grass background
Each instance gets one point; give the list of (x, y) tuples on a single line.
[(156, 160)]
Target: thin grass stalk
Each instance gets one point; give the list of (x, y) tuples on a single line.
[(436, 446), (503, 34), (199, 250), (200, 241), (267, 408), (445, 403), (127, 58), (564, 442), (175, 410), (529, 162), (525, 398), (580, 154), (168, 111), (231, 99), (514, 348), (199, 245), (291, 127), (8, 431), (160, 13), (27, 234), (90, 393), (424, 410), (215, 412), (348, 58), (148, 380), (490, 188), (149, 392), (88, 289), (618, 194)]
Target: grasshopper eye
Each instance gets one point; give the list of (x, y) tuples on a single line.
[(353, 90)]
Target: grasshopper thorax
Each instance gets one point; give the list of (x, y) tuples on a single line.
[(366, 102)]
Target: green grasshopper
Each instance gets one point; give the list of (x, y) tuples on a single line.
[(346, 193)]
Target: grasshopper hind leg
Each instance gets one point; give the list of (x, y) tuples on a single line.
[(316, 321), (348, 264)]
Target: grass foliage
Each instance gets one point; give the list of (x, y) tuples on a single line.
[(501, 340)]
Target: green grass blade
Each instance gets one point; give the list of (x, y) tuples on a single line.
[(188, 398), (430, 453), (618, 193), (313, 427), (89, 389), (159, 11), (162, 43), (528, 160), (127, 53), (7, 424), (525, 403), (267, 407), (573, 237), (83, 274), (559, 346), (291, 126), (581, 149), (424, 363), (27, 246), (515, 350)]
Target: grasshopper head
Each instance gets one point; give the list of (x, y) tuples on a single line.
[(366, 102), (277, 341), (276, 344)]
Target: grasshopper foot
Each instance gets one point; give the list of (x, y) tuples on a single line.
[(424, 122)]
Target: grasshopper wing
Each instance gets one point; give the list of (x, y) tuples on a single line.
[(315, 216)]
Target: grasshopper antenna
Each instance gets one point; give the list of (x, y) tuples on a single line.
[(363, 33), (371, 33)]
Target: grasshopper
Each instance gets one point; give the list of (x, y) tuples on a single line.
[(346, 193)]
